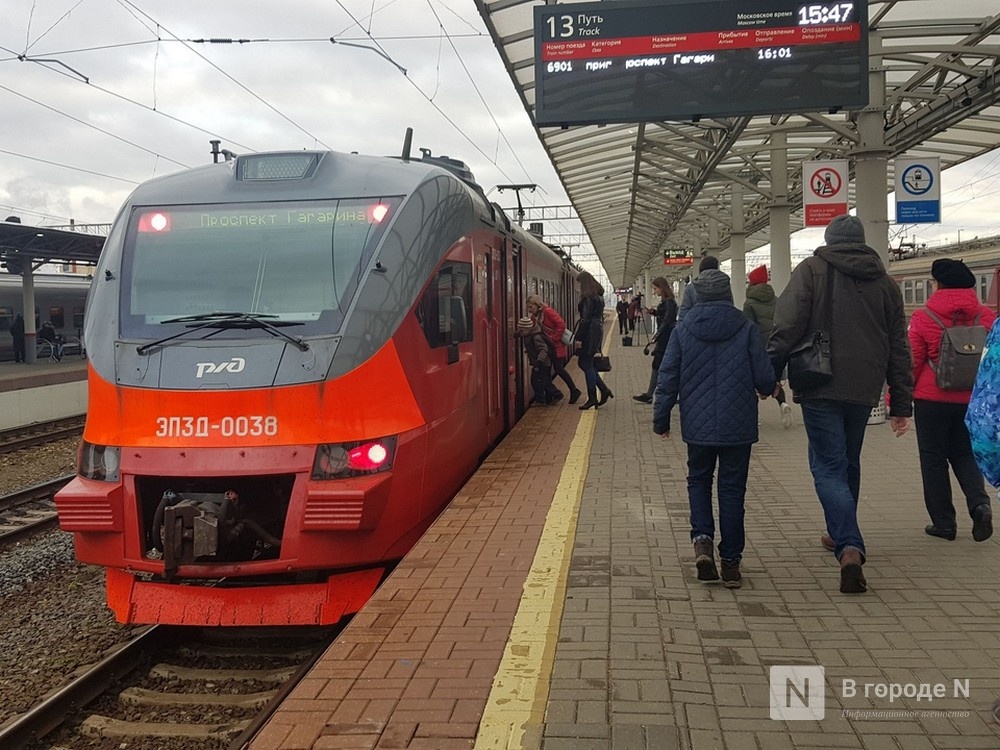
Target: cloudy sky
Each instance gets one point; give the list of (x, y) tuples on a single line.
[(99, 95)]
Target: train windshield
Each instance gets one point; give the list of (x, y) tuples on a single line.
[(295, 262)]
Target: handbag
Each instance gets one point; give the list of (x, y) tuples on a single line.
[(810, 362), (602, 363), (567, 337)]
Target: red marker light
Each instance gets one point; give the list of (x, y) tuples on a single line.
[(155, 221), (367, 457), (378, 212)]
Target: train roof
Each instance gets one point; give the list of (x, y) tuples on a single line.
[(972, 255), (48, 281), (302, 175)]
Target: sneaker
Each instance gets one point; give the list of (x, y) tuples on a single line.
[(786, 416), (644, 398), (852, 578), (731, 577), (827, 541), (982, 522), (704, 560), (948, 534)]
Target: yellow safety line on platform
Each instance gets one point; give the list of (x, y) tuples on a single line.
[(515, 710)]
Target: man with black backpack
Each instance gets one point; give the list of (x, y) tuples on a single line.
[(947, 338)]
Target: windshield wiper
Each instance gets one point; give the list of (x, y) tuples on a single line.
[(226, 320)]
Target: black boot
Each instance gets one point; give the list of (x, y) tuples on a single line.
[(591, 399), (605, 395), (574, 395)]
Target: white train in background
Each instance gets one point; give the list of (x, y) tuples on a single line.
[(59, 298)]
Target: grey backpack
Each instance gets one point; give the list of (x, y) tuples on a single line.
[(961, 350)]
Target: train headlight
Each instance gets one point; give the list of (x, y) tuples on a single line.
[(339, 460), (99, 462)]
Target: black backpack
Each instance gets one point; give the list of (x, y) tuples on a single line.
[(961, 349)]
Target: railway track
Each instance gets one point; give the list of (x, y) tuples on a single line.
[(26, 511), (172, 687), (38, 434)]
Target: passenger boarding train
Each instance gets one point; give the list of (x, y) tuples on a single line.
[(295, 360)]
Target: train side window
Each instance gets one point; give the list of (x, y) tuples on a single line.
[(908, 292), (58, 317), (6, 318), (78, 317), (918, 293), (445, 310), (984, 288)]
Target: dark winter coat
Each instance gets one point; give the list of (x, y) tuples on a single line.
[(689, 300), (590, 327), (867, 331), (666, 319), (715, 366), (759, 308), (537, 347), (17, 331)]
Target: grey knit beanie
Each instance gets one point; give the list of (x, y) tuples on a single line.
[(844, 230), (711, 285)]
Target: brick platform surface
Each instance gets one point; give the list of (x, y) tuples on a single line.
[(648, 657)]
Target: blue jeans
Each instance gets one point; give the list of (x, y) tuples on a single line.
[(836, 431), (734, 465), (590, 375)]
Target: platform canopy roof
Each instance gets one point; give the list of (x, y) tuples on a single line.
[(49, 244), (644, 187)]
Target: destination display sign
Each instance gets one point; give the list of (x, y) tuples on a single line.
[(607, 62)]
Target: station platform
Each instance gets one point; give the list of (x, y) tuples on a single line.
[(42, 391), (554, 605)]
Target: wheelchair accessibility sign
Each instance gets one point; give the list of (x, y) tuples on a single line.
[(918, 191)]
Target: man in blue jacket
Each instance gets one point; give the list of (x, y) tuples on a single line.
[(715, 365)]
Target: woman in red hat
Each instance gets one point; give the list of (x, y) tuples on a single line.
[(759, 307)]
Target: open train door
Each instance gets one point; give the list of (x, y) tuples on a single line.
[(493, 375)]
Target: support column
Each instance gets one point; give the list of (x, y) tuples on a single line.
[(781, 237), (28, 298), (738, 245), (871, 175)]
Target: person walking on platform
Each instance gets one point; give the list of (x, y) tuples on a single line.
[(589, 338), (939, 414), (666, 318), (17, 334), (690, 298), (622, 311), (716, 367), (540, 355), (759, 308), (553, 326), (634, 311), (844, 291)]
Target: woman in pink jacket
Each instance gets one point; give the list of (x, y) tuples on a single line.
[(553, 325), (942, 437)]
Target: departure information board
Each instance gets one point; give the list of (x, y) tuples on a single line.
[(607, 62)]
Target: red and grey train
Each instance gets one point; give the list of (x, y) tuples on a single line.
[(295, 360)]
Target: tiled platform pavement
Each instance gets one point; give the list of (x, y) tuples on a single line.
[(646, 657)]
